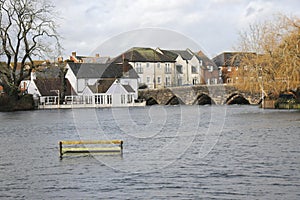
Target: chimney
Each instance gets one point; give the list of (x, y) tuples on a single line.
[(74, 53), (60, 59), (32, 75), (125, 67), (97, 55)]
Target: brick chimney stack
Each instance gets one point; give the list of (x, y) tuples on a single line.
[(60, 59), (125, 67)]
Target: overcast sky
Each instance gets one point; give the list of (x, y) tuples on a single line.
[(109, 27)]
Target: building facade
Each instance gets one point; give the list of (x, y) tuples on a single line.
[(168, 68), (192, 68), (155, 69), (228, 64)]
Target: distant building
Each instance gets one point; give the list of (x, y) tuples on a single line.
[(210, 72), (167, 68), (88, 59), (187, 66), (155, 69), (192, 68), (228, 64)]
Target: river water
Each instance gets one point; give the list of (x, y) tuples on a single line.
[(170, 152)]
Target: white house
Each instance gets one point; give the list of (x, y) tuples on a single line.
[(103, 85), (81, 75), (121, 94), (155, 69), (47, 90), (86, 85), (188, 66), (109, 93), (166, 68)]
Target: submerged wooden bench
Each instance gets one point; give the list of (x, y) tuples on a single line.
[(83, 146)]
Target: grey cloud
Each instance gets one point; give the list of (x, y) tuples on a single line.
[(214, 24), (249, 11)]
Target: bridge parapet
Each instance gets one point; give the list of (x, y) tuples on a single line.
[(189, 95)]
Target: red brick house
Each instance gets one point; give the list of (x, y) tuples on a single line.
[(228, 64), (209, 70)]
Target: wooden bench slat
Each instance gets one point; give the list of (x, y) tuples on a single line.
[(73, 148), (91, 149), (70, 142)]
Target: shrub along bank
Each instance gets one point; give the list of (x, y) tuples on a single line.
[(7, 103)]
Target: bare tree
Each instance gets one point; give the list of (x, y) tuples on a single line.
[(27, 31), (275, 66)]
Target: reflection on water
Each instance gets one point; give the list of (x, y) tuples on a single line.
[(170, 152)]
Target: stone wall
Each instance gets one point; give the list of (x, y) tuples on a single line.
[(188, 95)]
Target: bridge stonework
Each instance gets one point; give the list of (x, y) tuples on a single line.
[(188, 95)]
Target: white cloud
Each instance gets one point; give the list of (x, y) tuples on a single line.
[(214, 24), (256, 11)]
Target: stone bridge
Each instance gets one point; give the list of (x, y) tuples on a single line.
[(199, 95)]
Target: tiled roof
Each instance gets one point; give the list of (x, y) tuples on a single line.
[(230, 58), (128, 88), (205, 60), (48, 72), (183, 53), (102, 86), (74, 67), (139, 54), (115, 70), (101, 60), (96, 70), (91, 70), (170, 54), (45, 85)]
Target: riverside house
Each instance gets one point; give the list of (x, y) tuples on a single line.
[(102, 85), (228, 64), (168, 68), (47, 90), (210, 70), (47, 85), (84, 85), (155, 70), (192, 68)]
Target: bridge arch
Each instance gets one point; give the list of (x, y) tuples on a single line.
[(204, 99), (236, 98), (151, 101), (175, 101)]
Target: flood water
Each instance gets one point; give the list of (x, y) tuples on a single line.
[(170, 152)]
